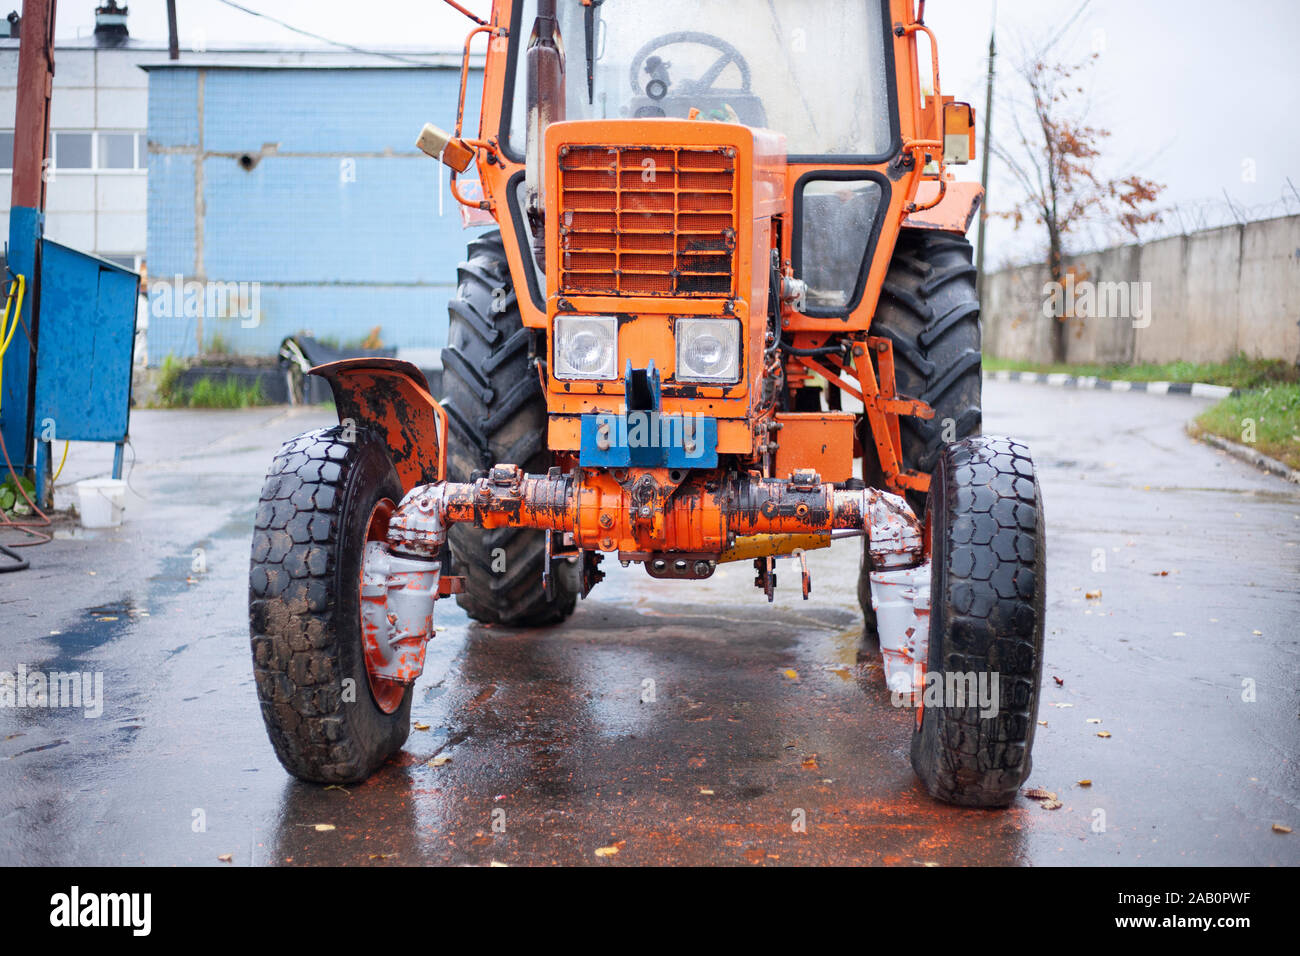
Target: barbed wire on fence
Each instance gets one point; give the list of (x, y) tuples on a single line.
[(1199, 215), (1176, 219)]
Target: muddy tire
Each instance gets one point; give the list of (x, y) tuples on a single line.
[(988, 581), (304, 610), (497, 415), (930, 311)]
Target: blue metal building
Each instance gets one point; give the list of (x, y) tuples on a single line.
[(285, 200)]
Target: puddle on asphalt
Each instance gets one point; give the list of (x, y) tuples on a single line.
[(98, 626)]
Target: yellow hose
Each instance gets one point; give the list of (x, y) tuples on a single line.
[(61, 463), (6, 330)]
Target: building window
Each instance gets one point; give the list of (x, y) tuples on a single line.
[(126, 262), (74, 151), (86, 151), (117, 151)]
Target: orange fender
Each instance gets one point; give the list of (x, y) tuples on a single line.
[(954, 211), (392, 397)]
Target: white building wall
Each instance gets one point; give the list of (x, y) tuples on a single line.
[(95, 90)]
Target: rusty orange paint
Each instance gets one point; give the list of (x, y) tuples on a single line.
[(610, 248), (387, 693), (822, 441), (392, 398), (642, 511)]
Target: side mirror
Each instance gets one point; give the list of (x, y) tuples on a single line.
[(958, 133), (443, 146)]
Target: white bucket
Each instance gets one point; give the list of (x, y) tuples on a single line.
[(102, 501)]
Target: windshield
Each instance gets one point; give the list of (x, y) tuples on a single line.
[(811, 69)]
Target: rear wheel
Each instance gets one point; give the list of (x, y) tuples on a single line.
[(929, 310), (324, 497), (988, 585), (497, 413)]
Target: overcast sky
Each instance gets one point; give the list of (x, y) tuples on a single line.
[(1201, 95)]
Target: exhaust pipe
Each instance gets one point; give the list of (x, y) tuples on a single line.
[(545, 104)]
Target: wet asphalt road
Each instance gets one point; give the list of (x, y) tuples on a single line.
[(554, 754)]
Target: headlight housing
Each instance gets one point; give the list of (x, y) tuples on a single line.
[(586, 347), (708, 350)]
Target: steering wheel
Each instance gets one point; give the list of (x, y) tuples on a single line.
[(691, 87)]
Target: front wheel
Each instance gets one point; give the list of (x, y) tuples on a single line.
[(979, 701), (327, 493)]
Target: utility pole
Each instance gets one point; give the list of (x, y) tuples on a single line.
[(32, 116), (173, 39), (26, 221), (984, 165)]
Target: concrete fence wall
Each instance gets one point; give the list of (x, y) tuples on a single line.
[(1210, 295)]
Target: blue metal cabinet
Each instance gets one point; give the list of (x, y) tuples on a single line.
[(84, 351)]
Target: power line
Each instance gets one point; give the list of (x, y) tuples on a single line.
[(317, 36)]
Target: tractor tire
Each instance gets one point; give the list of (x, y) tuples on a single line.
[(930, 311), (497, 415), (304, 607), (987, 594)]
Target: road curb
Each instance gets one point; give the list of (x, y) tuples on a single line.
[(1063, 380), (1246, 454)]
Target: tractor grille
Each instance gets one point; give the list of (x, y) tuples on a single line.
[(638, 221)]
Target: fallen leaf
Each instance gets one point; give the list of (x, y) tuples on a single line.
[(335, 786), (1085, 783), (1103, 733), (1093, 595), (612, 850), (1042, 723), (810, 762), (439, 760), (1062, 705), (1257, 633), (1059, 680), (1038, 793), (791, 674), (324, 827), (419, 726), (498, 863), (227, 858), (1051, 804), (1160, 574), (1180, 633), (1094, 720), (382, 856), (707, 793), (1281, 828)]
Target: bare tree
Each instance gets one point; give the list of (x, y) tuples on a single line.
[(1054, 156)]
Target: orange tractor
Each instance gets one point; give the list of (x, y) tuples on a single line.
[(729, 315)]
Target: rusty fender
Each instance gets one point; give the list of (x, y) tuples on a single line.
[(391, 398), (705, 514)]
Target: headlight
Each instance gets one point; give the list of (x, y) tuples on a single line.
[(708, 350), (586, 346)]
